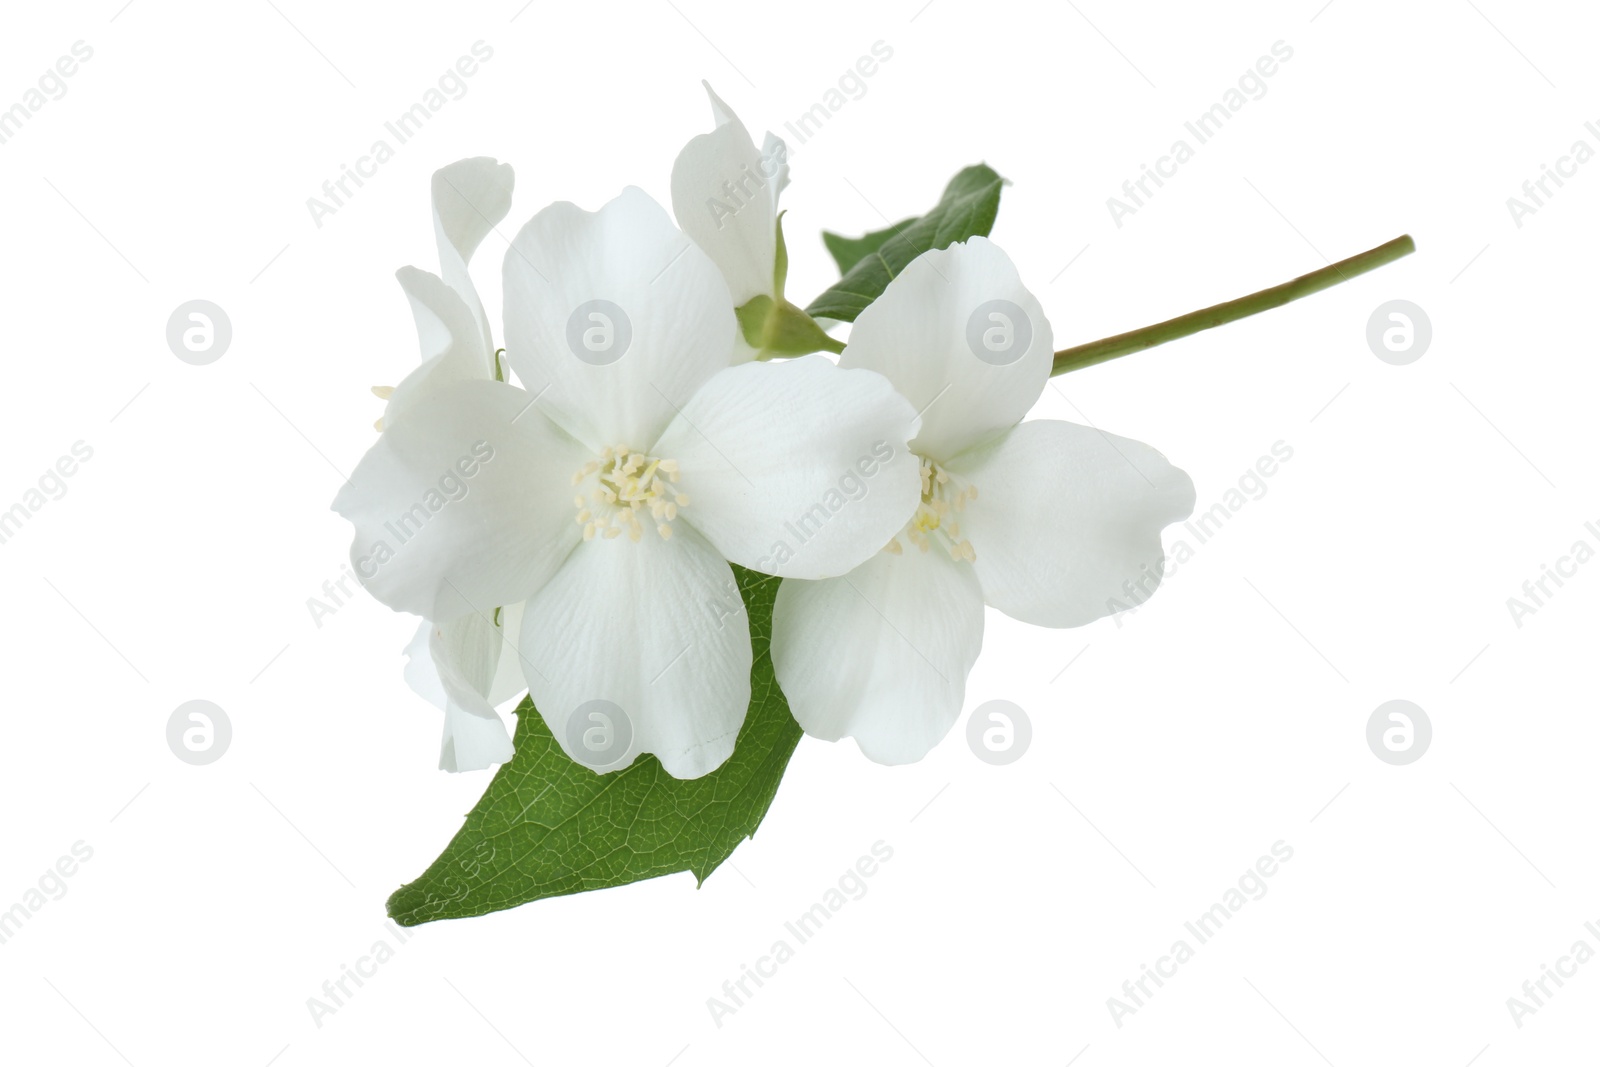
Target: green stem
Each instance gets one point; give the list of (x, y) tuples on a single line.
[(1070, 359)]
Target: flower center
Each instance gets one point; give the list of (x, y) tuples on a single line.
[(944, 497), (622, 484)]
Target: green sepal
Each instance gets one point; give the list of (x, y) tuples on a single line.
[(778, 328)]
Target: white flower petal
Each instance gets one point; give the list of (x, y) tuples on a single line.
[(463, 504), (420, 673), (452, 343), (474, 736), (796, 468), (614, 373), (961, 339), (776, 152), (881, 654), (464, 655), (471, 742), (508, 683), (1069, 519), (725, 196), (721, 113), (422, 676), (658, 629), (470, 197)]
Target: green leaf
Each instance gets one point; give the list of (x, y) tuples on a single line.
[(966, 209), (548, 826), (848, 251)]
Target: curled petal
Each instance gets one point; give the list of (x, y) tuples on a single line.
[(452, 344), (470, 197), (453, 666), (725, 196)]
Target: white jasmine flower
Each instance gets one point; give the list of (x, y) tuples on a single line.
[(610, 493), (1043, 520), (453, 665), (725, 197)]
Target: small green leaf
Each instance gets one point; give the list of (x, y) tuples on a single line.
[(848, 251), (548, 826), (967, 209)]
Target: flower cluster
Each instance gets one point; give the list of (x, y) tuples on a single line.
[(638, 436)]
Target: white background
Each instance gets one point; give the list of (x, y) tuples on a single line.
[(1177, 747)]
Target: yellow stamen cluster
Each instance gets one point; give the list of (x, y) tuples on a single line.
[(627, 484), (943, 498)]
